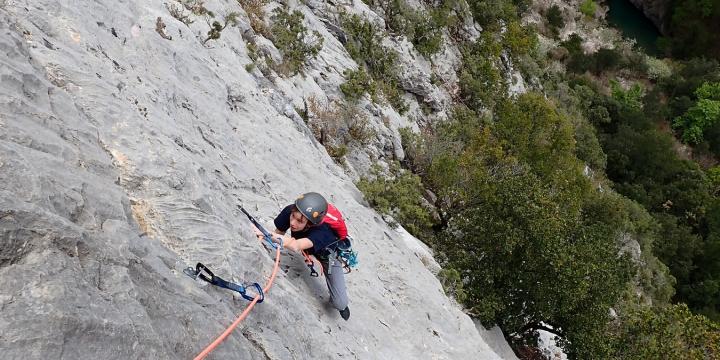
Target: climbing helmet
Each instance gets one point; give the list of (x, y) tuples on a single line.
[(313, 206)]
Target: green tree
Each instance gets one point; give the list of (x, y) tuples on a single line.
[(555, 19), (520, 40), (515, 232), (401, 196), (490, 13), (704, 114), (527, 261), (538, 135), (481, 82), (692, 29), (666, 332)]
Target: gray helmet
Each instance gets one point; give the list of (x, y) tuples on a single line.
[(313, 206)]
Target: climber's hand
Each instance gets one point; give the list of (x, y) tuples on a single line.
[(258, 233)]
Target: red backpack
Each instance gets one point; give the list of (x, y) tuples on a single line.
[(334, 219)]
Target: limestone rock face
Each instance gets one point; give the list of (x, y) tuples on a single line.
[(127, 142), (655, 10)]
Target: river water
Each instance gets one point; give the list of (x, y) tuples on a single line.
[(633, 24)]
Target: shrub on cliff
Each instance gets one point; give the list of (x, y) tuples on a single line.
[(294, 41)]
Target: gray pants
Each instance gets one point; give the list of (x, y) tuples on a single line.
[(335, 279)]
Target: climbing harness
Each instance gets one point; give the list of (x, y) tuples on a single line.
[(204, 273), (266, 234), (343, 252)]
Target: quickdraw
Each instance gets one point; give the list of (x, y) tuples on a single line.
[(266, 234), (311, 264), (205, 274), (261, 292)]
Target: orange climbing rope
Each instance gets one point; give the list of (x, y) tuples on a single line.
[(244, 314)]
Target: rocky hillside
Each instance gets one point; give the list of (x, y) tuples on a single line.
[(130, 132)]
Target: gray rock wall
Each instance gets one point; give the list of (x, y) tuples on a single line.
[(655, 10), (123, 155)]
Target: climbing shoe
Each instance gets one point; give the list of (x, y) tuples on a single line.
[(345, 313)]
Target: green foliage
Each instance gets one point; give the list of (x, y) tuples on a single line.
[(481, 82), (528, 260), (357, 84), (336, 126), (443, 139), (631, 98), (421, 29), (452, 283), (520, 39), (579, 103), (713, 175), (712, 139), (588, 148), (677, 246), (337, 152), (680, 88), (646, 169), (400, 196), (427, 35), (644, 166), (555, 19), (606, 59), (670, 332), (393, 94), (657, 69), (688, 76), (703, 293), (491, 13), (573, 44), (652, 278), (702, 115), (217, 28), (692, 29), (293, 40), (601, 61), (512, 196), (364, 44), (588, 7), (537, 134)]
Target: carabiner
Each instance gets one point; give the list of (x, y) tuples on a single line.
[(260, 293)]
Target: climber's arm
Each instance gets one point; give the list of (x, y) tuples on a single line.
[(296, 245), (288, 241)]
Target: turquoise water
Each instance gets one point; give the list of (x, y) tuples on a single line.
[(633, 24)]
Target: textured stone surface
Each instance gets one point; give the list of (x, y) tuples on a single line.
[(655, 10), (123, 156)]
